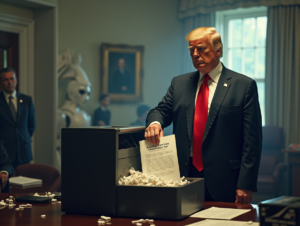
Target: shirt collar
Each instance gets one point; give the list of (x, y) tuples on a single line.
[(214, 74), (7, 94), (103, 108)]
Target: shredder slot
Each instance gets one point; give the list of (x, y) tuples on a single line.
[(130, 140)]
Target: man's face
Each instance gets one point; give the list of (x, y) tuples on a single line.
[(105, 102), (121, 64), (205, 59), (8, 82)]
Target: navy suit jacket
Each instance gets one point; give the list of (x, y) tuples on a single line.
[(5, 163), (101, 115), (232, 142), (16, 136)]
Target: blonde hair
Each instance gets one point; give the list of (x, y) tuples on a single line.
[(215, 37)]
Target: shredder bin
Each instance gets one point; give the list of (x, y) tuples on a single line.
[(169, 203), (93, 160)]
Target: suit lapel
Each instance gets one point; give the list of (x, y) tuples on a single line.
[(190, 95), (4, 105), (218, 98)]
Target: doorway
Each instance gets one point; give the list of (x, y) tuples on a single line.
[(9, 52)]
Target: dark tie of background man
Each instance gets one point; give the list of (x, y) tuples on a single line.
[(12, 108)]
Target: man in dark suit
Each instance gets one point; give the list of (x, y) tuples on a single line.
[(102, 114), (6, 169), (17, 119), (217, 122)]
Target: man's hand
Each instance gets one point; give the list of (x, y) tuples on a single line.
[(153, 133), (101, 123), (4, 178), (243, 196)]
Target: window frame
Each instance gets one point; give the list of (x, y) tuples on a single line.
[(222, 21)]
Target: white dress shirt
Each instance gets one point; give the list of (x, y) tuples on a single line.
[(212, 83), (14, 99)]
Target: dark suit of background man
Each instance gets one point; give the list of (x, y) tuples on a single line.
[(141, 112), (17, 119), (216, 119), (102, 114), (6, 169)]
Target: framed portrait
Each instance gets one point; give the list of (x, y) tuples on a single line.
[(121, 74)]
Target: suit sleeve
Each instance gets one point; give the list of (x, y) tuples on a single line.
[(96, 118), (31, 119), (163, 112), (5, 164), (252, 132)]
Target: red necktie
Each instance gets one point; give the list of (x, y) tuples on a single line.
[(200, 118)]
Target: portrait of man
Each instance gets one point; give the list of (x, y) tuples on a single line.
[(121, 73)]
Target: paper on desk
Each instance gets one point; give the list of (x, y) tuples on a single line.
[(223, 223), (160, 160), (220, 213)]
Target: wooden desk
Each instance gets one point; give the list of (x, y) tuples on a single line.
[(54, 216), (294, 168)]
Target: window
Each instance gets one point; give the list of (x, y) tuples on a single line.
[(244, 44)]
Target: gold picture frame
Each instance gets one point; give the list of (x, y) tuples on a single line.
[(121, 72)]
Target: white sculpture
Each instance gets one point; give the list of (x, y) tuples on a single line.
[(78, 93), (78, 89)]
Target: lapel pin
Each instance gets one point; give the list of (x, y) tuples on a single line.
[(21, 101), (225, 84)]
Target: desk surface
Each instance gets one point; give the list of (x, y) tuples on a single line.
[(54, 216)]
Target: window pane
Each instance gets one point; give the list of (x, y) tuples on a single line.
[(261, 31), (249, 32), (235, 60), (235, 33), (249, 61), (261, 97), (260, 62)]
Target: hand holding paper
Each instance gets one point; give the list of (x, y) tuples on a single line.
[(153, 133)]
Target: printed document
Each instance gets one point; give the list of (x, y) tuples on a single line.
[(223, 223), (160, 160), (220, 213)]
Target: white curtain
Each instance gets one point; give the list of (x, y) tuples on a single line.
[(190, 8), (283, 71)]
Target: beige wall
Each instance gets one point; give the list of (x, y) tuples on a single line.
[(84, 25), (16, 11)]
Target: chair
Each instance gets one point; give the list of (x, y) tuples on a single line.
[(271, 166), (50, 175)]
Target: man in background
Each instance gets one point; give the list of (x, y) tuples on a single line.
[(17, 119), (217, 122), (102, 114), (6, 170), (142, 112)]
